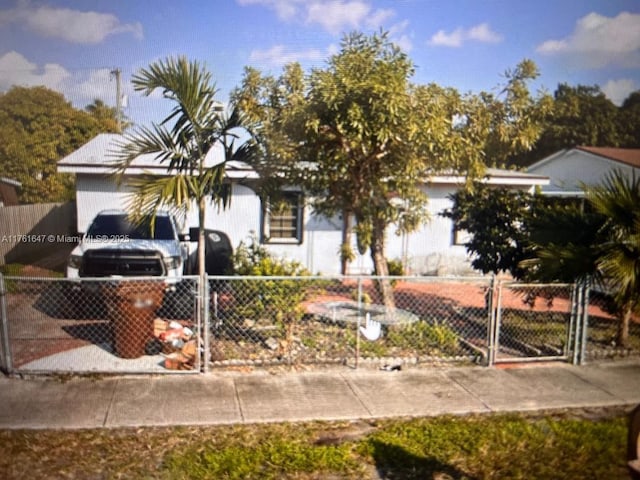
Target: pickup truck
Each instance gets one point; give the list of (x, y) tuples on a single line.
[(114, 247)]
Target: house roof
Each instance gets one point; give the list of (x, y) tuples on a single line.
[(628, 156), (10, 181), (495, 176), (98, 156), (8, 191)]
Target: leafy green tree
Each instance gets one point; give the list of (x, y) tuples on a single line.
[(368, 137), (37, 128), (580, 115), (511, 122), (630, 120), (107, 116), (182, 141), (494, 218)]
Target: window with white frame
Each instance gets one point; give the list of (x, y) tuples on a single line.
[(283, 219), (460, 236)]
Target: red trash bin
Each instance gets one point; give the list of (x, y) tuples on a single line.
[(132, 306)]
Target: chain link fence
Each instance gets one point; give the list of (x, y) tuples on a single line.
[(310, 320), (535, 322), (147, 325), (141, 325), (603, 336)]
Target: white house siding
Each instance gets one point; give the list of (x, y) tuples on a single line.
[(319, 249), (567, 171), (430, 249), (95, 193)]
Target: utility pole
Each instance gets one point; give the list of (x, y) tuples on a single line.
[(116, 72)]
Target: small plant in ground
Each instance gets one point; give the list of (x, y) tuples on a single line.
[(277, 301), (365, 298), (423, 336)]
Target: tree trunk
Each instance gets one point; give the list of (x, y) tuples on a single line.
[(346, 241), (202, 303), (201, 222), (380, 265), (623, 326)]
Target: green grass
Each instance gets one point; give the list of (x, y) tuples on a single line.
[(552, 446)]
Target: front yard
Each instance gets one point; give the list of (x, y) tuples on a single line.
[(566, 444)]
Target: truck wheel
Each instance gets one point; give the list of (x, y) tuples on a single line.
[(180, 303), (633, 444)]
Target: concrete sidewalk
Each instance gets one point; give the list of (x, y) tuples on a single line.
[(226, 398)]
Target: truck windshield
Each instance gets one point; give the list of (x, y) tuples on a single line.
[(118, 226)]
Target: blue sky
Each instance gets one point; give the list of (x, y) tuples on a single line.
[(72, 45)]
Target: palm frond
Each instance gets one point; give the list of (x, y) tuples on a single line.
[(156, 141), (618, 199), (151, 194)]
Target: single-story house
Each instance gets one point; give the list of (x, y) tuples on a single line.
[(568, 169), (295, 232), (9, 192)]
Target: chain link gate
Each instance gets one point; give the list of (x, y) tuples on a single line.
[(536, 322)]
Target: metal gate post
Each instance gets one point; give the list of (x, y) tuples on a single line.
[(358, 322), (491, 319), (496, 308), (5, 350), (585, 322), (206, 320), (574, 324)]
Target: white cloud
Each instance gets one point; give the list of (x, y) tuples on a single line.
[(285, 9), (99, 84), (478, 33), (73, 26), (618, 90), (334, 16), (80, 87), (399, 37), (483, 33), (15, 69), (279, 55), (443, 39), (597, 41)]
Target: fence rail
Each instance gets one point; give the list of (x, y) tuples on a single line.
[(152, 325)]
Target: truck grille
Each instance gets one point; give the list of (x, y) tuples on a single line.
[(127, 263)]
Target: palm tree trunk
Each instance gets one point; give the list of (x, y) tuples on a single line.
[(201, 223), (203, 303)]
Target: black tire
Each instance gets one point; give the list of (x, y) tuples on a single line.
[(633, 444), (180, 302)]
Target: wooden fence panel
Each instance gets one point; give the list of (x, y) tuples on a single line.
[(30, 232)]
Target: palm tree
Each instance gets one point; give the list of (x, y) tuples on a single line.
[(182, 141), (618, 200), (600, 243)]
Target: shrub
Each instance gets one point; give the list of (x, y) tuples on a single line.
[(276, 301), (423, 336)]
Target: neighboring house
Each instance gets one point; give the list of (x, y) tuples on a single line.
[(9, 192), (290, 228), (570, 168)]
